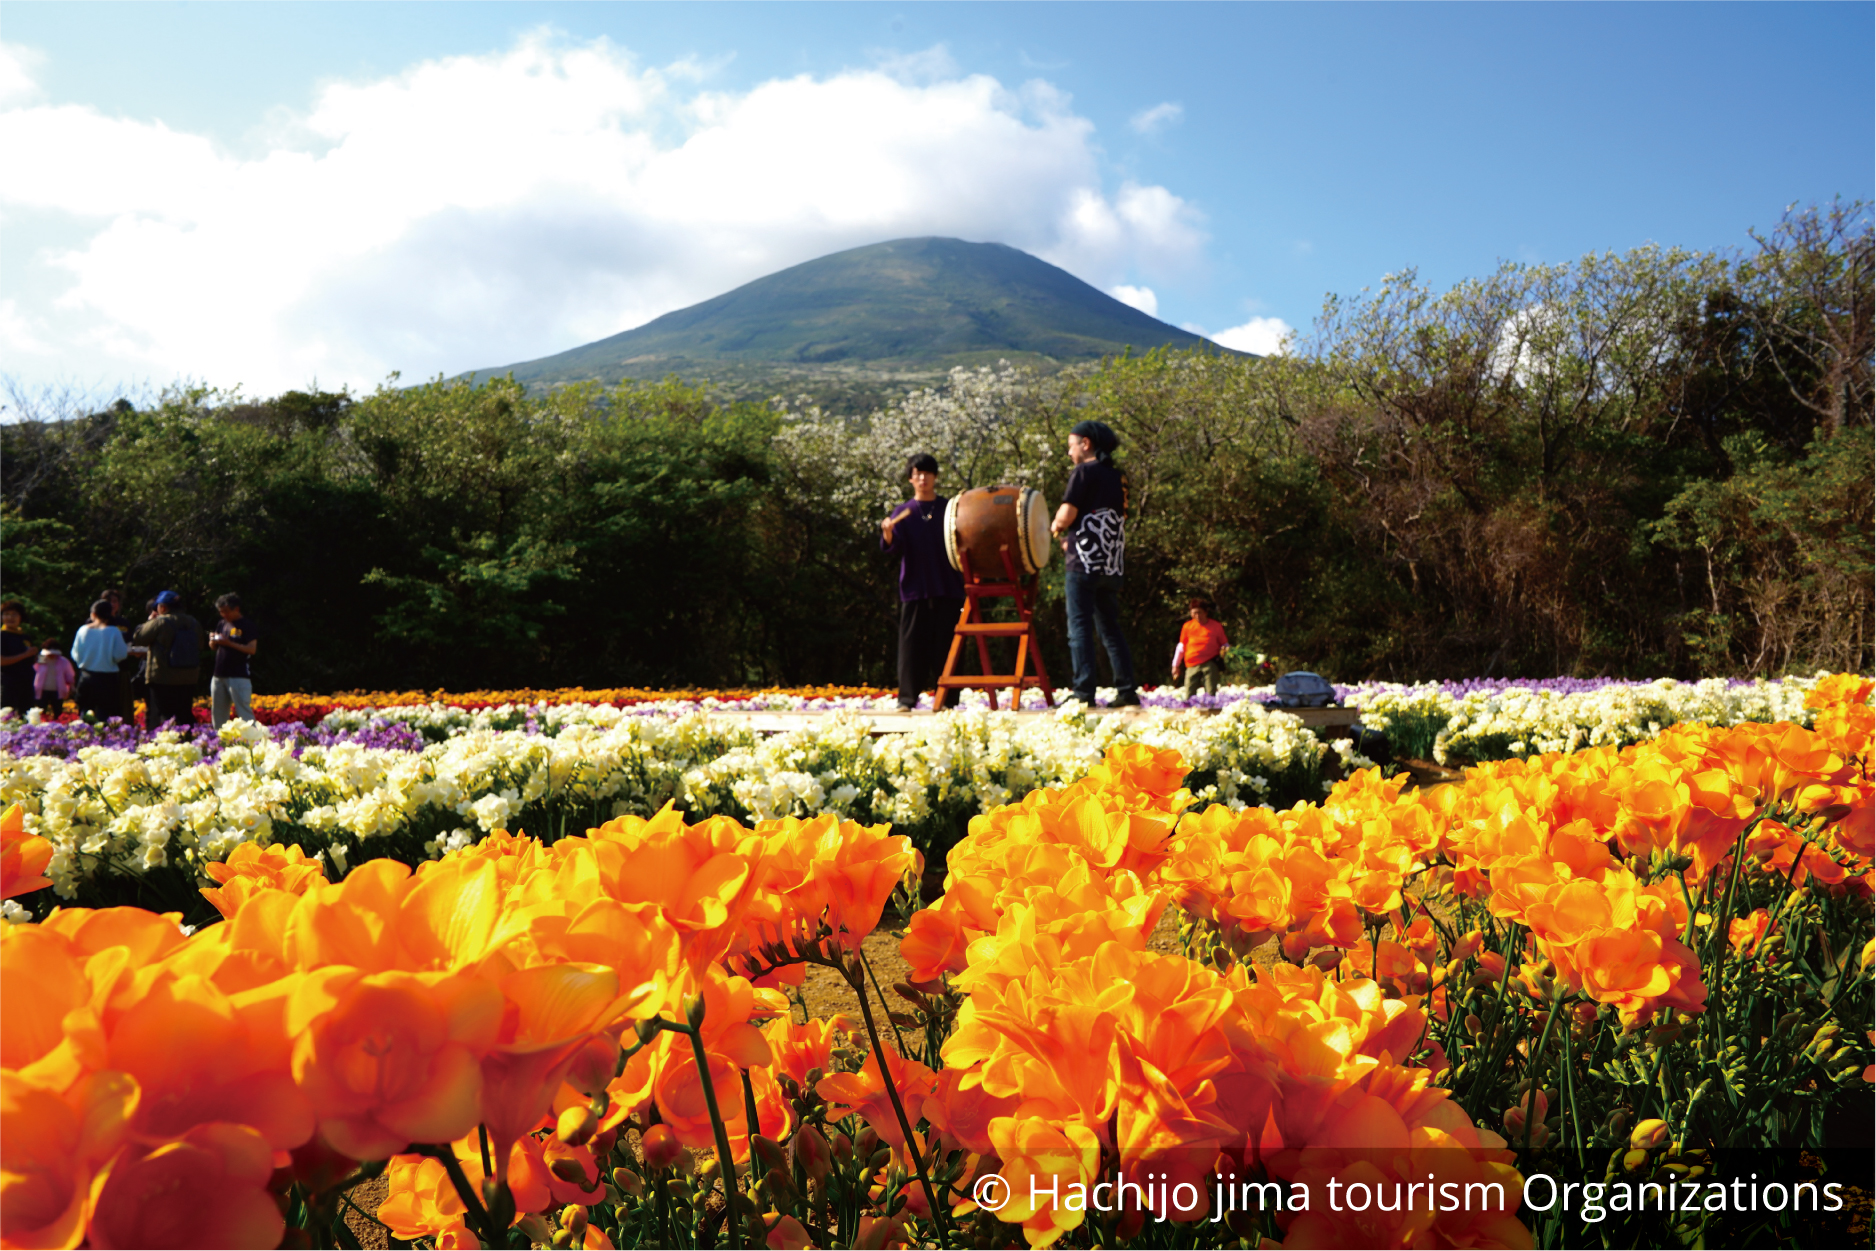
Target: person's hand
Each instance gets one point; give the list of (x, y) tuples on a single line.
[(885, 528)]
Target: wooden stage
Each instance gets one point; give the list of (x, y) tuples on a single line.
[(895, 722)]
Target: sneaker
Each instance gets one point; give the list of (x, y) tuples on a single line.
[(1125, 701)]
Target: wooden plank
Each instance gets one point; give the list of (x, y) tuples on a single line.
[(1313, 717), (1009, 628)]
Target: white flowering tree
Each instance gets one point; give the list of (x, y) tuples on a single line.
[(985, 426)]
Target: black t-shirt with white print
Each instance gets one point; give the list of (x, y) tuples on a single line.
[(1097, 542)]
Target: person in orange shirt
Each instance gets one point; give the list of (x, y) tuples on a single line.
[(1201, 644)]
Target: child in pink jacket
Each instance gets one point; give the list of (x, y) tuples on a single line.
[(53, 679)]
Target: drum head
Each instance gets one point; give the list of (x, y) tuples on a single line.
[(1038, 544), (951, 533)]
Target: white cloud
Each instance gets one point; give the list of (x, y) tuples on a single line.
[(18, 334), (481, 210), (1157, 118), (1262, 335), (18, 84), (1141, 298)]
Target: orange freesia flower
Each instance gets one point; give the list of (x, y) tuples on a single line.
[(864, 1093), (234, 1068), (282, 867), (388, 1059), (1041, 1160), (50, 1147), (23, 856), (206, 1189)]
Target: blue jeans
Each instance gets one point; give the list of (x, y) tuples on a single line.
[(1094, 606)]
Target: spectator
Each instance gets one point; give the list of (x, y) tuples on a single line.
[(16, 661), (129, 673), (1201, 648), (53, 680), (1092, 524), (234, 640), (172, 642), (99, 650), (931, 592)]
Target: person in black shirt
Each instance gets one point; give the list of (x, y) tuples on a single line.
[(1093, 527), (17, 655), (234, 640)]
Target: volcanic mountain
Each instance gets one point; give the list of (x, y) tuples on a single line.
[(897, 310)]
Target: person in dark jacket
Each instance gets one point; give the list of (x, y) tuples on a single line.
[(931, 592), (172, 662)]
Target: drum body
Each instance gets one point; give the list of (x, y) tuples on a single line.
[(983, 520)]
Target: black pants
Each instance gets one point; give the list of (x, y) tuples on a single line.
[(18, 695), (170, 703), (100, 695), (924, 638)]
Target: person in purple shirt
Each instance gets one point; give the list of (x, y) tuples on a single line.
[(931, 592)]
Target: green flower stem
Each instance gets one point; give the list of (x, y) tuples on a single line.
[(938, 1212), (1531, 1067), (726, 1162), (874, 978), (1569, 1087)]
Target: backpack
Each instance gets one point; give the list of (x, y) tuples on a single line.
[(185, 645), (1303, 690)]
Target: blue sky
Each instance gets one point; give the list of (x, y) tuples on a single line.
[(265, 195)]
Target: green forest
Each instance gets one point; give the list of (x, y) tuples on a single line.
[(1656, 463)]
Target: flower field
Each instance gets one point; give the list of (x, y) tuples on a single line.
[(1619, 996), (135, 817)]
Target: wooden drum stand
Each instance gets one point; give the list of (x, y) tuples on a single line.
[(971, 623)]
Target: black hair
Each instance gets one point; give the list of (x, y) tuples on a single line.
[(922, 460), (1100, 434), (102, 610), (230, 600)]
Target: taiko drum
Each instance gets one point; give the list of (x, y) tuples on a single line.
[(983, 520)]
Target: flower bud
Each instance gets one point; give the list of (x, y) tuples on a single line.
[(562, 1240), (628, 1182), (576, 1126), (1634, 1159), (816, 1157), (570, 1171), (867, 1143), (768, 1151), (1474, 1026), (573, 1219), (1649, 1134), (1618, 1120), (661, 1146), (693, 1006), (1468, 945)]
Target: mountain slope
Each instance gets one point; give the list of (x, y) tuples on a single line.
[(908, 307)]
